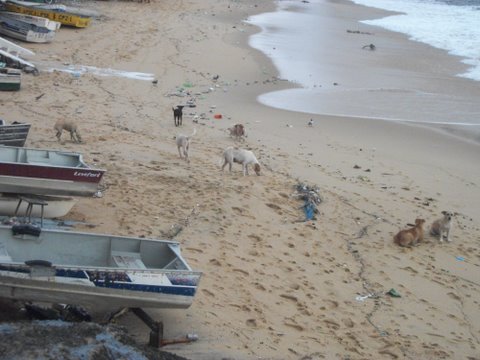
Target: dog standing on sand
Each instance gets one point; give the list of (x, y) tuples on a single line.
[(70, 126), (441, 227), (412, 236), (183, 145), (178, 115), (241, 156)]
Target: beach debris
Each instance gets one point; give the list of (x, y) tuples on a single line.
[(215, 78), (217, 116), (364, 297), (369, 47), (460, 258), (359, 32), (393, 293), (311, 198)]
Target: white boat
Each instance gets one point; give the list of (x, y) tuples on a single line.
[(24, 31), (35, 20), (56, 206), (13, 52), (14, 49), (92, 270), (46, 172)]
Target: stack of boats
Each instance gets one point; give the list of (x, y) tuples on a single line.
[(50, 176), (32, 12), (57, 266), (38, 22), (34, 22), (91, 270)]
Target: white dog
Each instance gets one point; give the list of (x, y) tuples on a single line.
[(442, 226), (183, 145), (241, 156)]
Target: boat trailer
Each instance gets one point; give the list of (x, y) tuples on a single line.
[(156, 329)]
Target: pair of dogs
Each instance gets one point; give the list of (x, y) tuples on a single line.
[(237, 131), (414, 235), (230, 155)]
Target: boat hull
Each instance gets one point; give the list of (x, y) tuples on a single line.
[(10, 83), (37, 183), (24, 31), (56, 206), (14, 134), (90, 297), (93, 270), (46, 172), (35, 20), (64, 18)]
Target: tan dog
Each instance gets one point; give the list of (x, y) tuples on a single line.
[(241, 156), (412, 236), (183, 145), (237, 131), (70, 126), (441, 227)]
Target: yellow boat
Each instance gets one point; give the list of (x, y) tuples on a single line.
[(65, 18)]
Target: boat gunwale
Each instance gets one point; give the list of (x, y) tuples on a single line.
[(60, 152), (106, 269)]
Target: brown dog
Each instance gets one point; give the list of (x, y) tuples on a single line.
[(237, 131), (412, 236), (70, 126)]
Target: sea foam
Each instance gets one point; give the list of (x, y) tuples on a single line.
[(453, 26)]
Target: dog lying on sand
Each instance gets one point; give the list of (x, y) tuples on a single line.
[(183, 144), (70, 126), (441, 227), (412, 236), (241, 156)]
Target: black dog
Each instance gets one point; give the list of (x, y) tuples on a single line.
[(177, 115)]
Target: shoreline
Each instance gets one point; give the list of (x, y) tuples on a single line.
[(436, 97), (274, 286)]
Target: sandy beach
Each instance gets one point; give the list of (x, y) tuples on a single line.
[(274, 286)]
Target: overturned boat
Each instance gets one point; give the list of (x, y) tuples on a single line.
[(92, 270)]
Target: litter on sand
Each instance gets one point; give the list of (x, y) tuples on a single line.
[(392, 292), (311, 198)]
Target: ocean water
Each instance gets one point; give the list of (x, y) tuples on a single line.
[(452, 25), (297, 37)]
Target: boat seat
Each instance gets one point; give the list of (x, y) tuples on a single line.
[(124, 259)]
